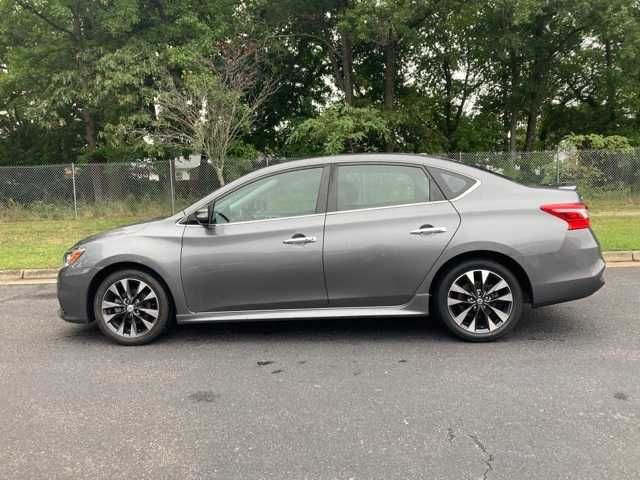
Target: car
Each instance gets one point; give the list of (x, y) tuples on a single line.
[(363, 235)]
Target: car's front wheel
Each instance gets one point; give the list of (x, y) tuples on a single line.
[(479, 300), (131, 307)]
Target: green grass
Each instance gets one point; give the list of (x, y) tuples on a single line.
[(41, 243), (617, 232), (616, 220), (132, 207), (613, 204)]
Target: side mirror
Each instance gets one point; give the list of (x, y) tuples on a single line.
[(202, 216)]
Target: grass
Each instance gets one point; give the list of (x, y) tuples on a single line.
[(614, 204), (617, 232), (41, 243)]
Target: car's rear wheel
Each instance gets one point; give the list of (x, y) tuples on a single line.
[(479, 300), (131, 307)]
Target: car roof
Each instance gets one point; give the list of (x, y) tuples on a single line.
[(414, 158)]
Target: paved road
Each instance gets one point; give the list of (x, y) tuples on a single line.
[(374, 399)]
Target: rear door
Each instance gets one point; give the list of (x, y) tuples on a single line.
[(264, 247), (386, 226)]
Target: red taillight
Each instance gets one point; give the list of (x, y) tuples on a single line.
[(575, 214)]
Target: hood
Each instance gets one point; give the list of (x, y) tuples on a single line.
[(119, 231)]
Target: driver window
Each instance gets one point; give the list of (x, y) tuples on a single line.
[(286, 194)]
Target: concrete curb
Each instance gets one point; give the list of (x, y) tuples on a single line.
[(628, 256), (31, 275), (28, 274)]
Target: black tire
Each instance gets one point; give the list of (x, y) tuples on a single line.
[(160, 303), (479, 304)]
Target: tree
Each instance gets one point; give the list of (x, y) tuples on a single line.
[(55, 48), (441, 74), (451, 64), (390, 26), (214, 106), (595, 142), (342, 129)]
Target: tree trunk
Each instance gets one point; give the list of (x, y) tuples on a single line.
[(536, 84), (448, 89), (203, 174), (611, 87), (513, 130), (510, 120), (535, 102), (513, 106), (532, 124), (95, 169), (390, 65), (347, 67), (220, 175)]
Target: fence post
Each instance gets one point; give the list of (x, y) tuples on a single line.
[(75, 195), (173, 190), (460, 157), (557, 168)]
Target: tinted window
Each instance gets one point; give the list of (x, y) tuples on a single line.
[(453, 184), (369, 186), (287, 194)]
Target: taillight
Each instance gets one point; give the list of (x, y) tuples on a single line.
[(575, 214)]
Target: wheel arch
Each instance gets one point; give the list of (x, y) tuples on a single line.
[(501, 258), (124, 265)]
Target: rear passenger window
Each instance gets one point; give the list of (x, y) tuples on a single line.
[(452, 184), (370, 186)]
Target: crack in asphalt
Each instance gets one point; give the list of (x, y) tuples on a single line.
[(450, 435), (484, 450)]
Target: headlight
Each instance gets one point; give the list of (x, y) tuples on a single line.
[(72, 256)]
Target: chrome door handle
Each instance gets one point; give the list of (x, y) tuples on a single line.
[(428, 230), (301, 240)]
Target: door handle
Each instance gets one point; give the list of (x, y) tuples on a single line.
[(299, 239), (428, 230)]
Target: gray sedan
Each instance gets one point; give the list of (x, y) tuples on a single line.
[(344, 236)]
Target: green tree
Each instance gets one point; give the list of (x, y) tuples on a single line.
[(213, 106), (54, 49), (342, 129)]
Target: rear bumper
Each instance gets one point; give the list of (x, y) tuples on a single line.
[(567, 290), (575, 271), (73, 288)]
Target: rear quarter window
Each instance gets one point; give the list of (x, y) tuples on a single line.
[(452, 184)]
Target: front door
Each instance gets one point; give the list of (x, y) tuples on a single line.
[(388, 226), (263, 249)]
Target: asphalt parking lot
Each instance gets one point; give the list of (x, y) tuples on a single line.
[(340, 399)]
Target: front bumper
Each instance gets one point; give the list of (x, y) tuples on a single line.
[(73, 290)]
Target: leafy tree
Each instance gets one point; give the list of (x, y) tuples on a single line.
[(214, 106), (54, 48), (425, 76), (594, 141), (390, 27), (451, 64), (342, 129)]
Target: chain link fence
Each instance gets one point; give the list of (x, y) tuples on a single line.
[(155, 188), (595, 173), (137, 188)]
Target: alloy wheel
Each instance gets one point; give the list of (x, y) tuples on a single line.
[(480, 301), (130, 307)]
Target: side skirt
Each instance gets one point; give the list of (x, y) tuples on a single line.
[(419, 305)]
